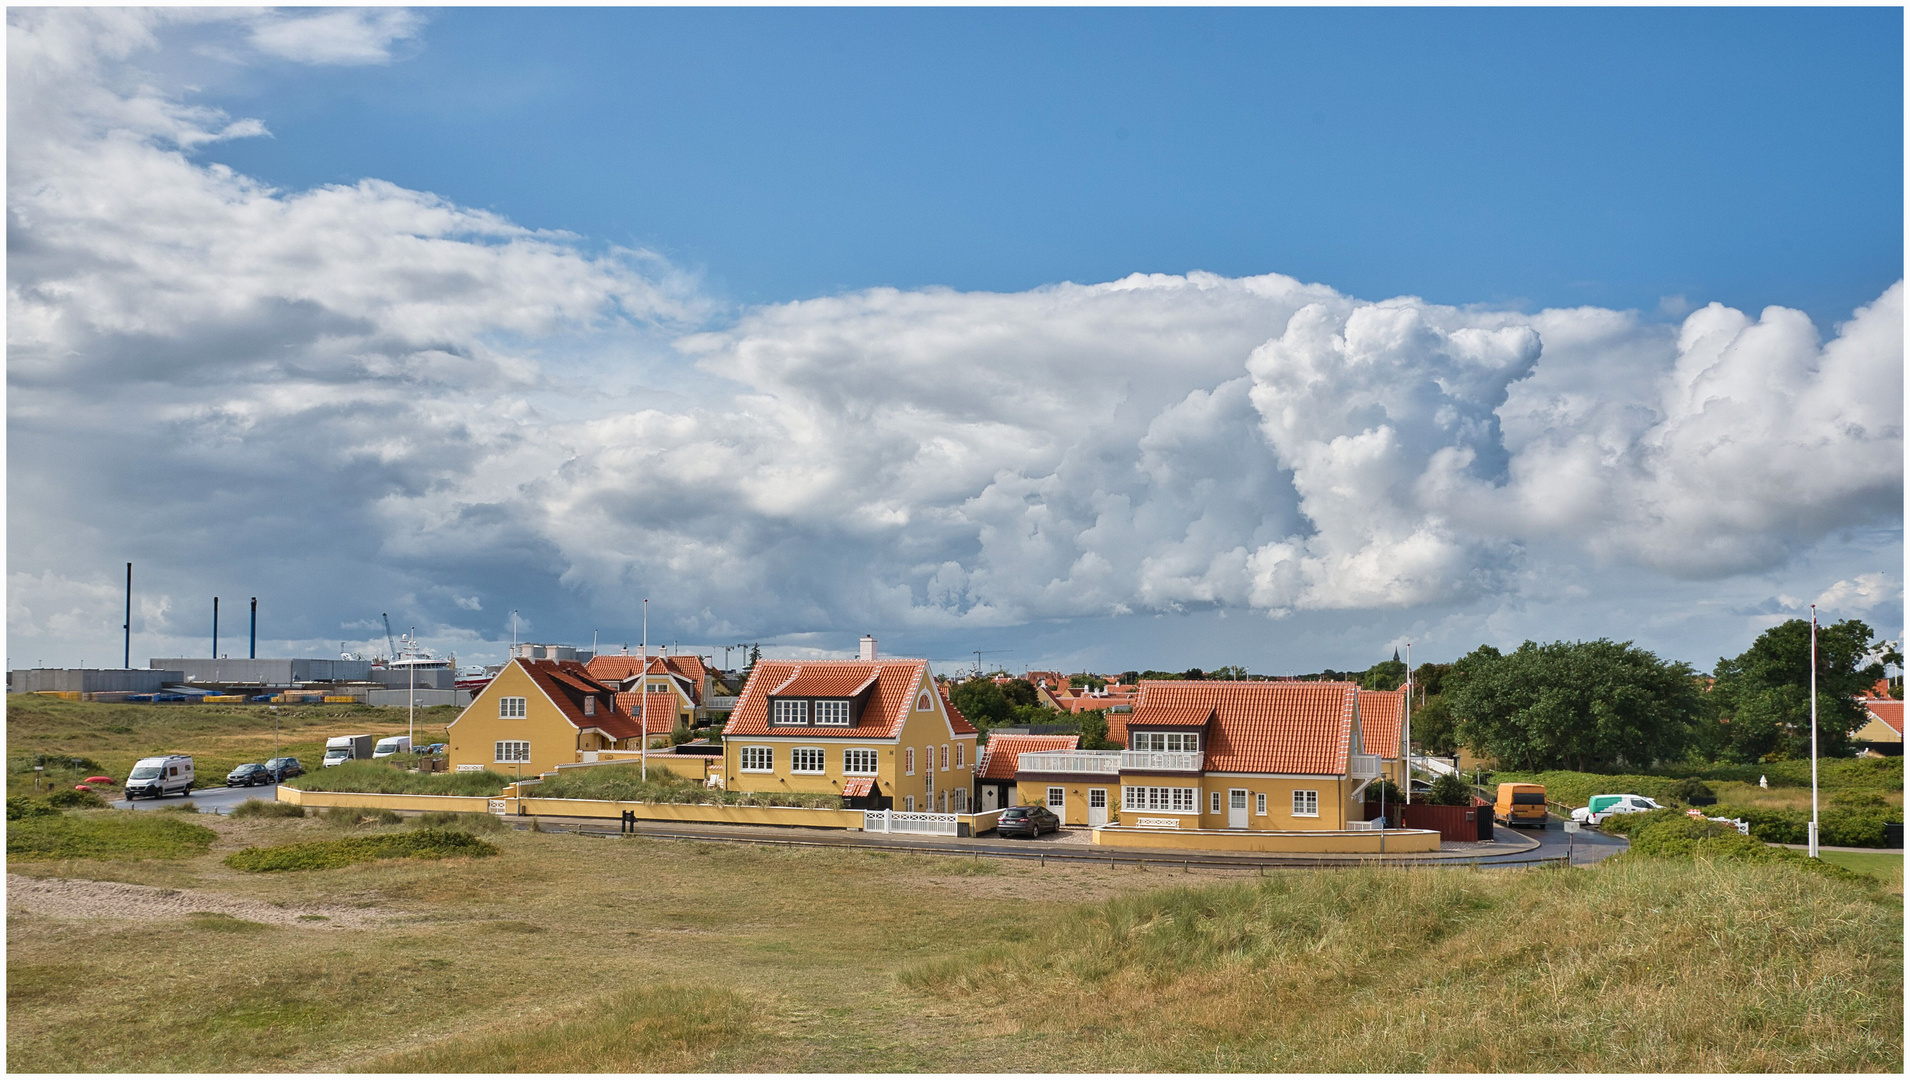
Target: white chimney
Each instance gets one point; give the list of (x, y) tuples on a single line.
[(868, 647)]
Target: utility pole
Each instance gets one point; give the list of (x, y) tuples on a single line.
[(129, 617), (1813, 837), (411, 703)]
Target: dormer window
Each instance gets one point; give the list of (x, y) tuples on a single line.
[(1184, 741), (590, 705), (832, 713), (784, 711)]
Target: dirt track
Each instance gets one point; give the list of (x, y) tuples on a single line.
[(65, 898)]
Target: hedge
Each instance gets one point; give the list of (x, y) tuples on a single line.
[(329, 854), (379, 778), (625, 783)]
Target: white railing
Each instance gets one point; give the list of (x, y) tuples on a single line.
[(903, 821), (721, 702), (1433, 765), (1362, 766), (1069, 761), (1375, 825), (1167, 760)]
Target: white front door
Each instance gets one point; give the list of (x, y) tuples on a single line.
[(1097, 807), (990, 799), (1237, 808)]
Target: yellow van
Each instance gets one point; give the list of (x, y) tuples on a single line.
[(1520, 804)]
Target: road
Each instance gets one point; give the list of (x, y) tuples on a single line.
[(1586, 847), (218, 800)]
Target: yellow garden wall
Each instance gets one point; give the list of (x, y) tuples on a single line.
[(714, 815), (375, 801), (1398, 841)]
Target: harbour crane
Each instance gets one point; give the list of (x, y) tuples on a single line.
[(389, 640)]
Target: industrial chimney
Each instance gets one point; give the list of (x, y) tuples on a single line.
[(868, 647)]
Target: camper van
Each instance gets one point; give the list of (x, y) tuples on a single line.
[(157, 777), (397, 744)]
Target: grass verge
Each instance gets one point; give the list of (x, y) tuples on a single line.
[(625, 783), (106, 834), (330, 854), (376, 776), (646, 1029)]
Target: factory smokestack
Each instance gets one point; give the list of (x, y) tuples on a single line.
[(252, 653)]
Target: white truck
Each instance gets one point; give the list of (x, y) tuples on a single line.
[(1603, 806), (342, 748), (158, 777), (397, 744)]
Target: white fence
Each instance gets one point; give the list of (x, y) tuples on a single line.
[(1070, 761), (902, 821)]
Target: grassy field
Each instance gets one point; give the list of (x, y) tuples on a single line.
[(1886, 867), (218, 737), (566, 953)]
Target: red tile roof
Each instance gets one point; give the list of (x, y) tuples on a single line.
[(659, 716), (617, 669), (883, 713), (567, 683), (999, 756), (1195, 715), (1379, 721), (1888, 710), (1262, 727), (857, 787), (958, 722)]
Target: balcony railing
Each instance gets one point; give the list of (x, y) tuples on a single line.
[(1161, 760), (720, 703), (1362, 766), (1106, 762)]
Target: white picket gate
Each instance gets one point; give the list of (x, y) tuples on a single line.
[(903, 821)]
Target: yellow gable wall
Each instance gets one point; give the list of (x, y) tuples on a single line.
[(1875, 730), (928, 732), (478, 729)]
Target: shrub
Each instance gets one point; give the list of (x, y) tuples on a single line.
[(330, 854), (679, 734), (1450, 790), (62, 761), (350, 817), (266, 808), (451, 819), (1672, 834), (113, 834), (377, 777), (1390, 790), (69, 799), (1691, 791), (19, 807)]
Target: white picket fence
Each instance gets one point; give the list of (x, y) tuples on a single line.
[(902, 821)]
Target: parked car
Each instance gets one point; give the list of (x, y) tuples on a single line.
[(1029, 821), (284, 768), (251, 775), (156, 777), (1603, 806), (433, 750)]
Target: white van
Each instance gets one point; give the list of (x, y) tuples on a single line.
[(397, 744), (157, 777)]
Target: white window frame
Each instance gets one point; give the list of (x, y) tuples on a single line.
[(789, 712), (510, 751), (958, 801), (1100, 794), (797, 754), (860, 761), (767, 755), (1306, 803), (1160, 800), (1166, 741), (1058, 800), (832, 713), (944, 757), (590, 704), (924, 703), (908, 804), (512, 708), (908, 758), (958, 756), (1213, 802), (1260, 804)]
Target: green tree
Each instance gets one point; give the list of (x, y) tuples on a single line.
[(982, 702), (1592, 706), (1434, 729), (1229, 673), (1094, 730), (1386, 675), (1019, 692), (1092, 682), (1763, 694), (1430, 679), (1449, 790)]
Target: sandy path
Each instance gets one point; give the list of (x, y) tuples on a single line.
[(65, 898)]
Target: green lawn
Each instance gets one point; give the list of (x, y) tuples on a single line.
[(1884, 866)]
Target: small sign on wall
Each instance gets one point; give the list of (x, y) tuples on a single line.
[(497, 807), (1158, 822), (470, 768)]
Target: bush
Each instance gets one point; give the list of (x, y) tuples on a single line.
[(451, 819), (1450, 790), (1840, 827), (69, 799), (1388, 788), (20, 807), (1691, 791), (350, 817), (330, 854), (113, 834), (625, 783), (1672, 834), (62, 761), (266, 808), (377, 777)]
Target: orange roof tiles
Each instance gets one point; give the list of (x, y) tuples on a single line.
[(1195, 715), (567, 683), (1888, 710), (858, 787), (1000, 757), (956, 720), (618, 669), (883, 713), (1380, 721), (1262, 727)]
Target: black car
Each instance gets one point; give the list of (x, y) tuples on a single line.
[(284, 768), (1030, 821), (248, 776)]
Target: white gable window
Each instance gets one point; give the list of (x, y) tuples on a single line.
[(1306, 804), (511, 750), (758, 759), (832, 713), (924, 704), (806, 759), (511, 708), (858, 762), (790, 712)]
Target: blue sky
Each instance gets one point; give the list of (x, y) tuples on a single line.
[(1085, 337), (1531, 158)]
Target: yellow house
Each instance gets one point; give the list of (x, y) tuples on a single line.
[(685, 682), (536, 715), (1882, 733), (880, 733), (1270, 756)]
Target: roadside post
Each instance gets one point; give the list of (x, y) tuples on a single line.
[(1571, 832), (39, 773)]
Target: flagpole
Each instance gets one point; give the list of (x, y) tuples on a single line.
[(643, 698), (1813, 836), (1406, 724)]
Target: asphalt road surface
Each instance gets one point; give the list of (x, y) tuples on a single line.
[(218, 800), (1586, 847)]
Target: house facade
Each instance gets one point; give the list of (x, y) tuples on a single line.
[(880, 733), (1882, 732), (536, 715), (1270, 756), (996, 778)]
